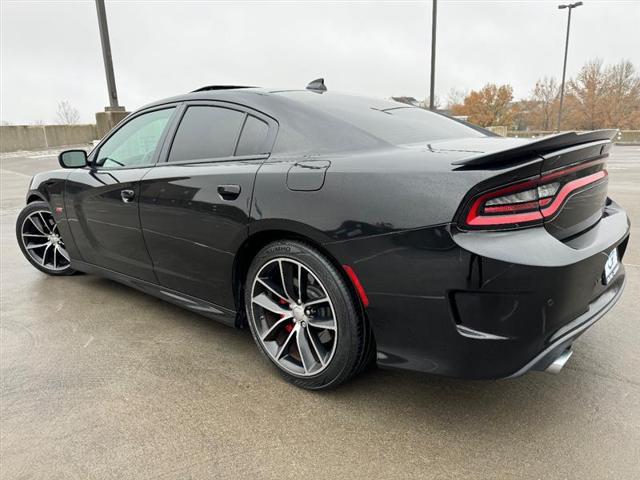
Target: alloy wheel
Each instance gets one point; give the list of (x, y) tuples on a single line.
[(42, 241), (293, 317)]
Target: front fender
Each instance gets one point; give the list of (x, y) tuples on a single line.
[(48, 187)]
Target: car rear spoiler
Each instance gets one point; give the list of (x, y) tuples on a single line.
[(540, 146)]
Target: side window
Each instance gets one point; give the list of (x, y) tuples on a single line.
[(253, 138), (206, 132), (135, 142)]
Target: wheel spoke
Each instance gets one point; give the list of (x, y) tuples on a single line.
[(64, 253), (266, 285), (39, 245), (37, 235), (275, 327), (284, 345), (305, 350), (44, 255), (265, 302), (315, 347), (44, 222), (316, 302), (324, 324), (318, 283), (284, 283), (33, 222)]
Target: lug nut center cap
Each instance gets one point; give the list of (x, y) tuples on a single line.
[(298, 313)]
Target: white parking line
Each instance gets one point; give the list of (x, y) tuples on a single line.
[(3, 171)]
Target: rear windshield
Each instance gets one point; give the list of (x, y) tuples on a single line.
[(389, 121)]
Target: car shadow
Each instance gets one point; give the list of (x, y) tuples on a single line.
[(385, 393)]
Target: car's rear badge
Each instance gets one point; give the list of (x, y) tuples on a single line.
[(611, 267)]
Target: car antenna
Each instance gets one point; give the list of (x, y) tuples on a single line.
[(317, 85)]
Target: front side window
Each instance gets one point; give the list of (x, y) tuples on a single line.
[(134, 143), (206, 133)]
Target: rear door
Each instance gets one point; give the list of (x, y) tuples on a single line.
[(102, 199), (194, 205)]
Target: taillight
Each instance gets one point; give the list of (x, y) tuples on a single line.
[(531, 201)]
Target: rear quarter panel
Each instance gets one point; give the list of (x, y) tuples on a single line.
[(364, 194)]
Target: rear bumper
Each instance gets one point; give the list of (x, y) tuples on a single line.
[(565, 337), (484, 305)]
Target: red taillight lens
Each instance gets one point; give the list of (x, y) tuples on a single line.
[(529, 202)]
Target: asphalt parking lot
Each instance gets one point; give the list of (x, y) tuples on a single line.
[(100, 381)]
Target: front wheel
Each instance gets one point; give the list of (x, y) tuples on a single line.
[(40, 240), (303, 316)]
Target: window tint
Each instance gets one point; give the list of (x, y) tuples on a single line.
[(206, 132), (253, 137), (135, 142), (389, 121)]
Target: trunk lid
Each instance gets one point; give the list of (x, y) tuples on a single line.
[(569, 177)]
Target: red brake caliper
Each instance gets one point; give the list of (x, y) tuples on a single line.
[(289, 326)]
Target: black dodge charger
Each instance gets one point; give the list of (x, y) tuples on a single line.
[(343, 229)]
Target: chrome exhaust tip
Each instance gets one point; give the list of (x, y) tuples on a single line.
[(559, 362)]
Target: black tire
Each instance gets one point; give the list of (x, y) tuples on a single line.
[(22, 218), (351, 353)]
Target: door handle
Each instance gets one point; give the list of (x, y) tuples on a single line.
[(229, 192), (127, 196)]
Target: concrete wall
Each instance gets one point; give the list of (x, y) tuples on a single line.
[(628, 137), (498, 130), (35, 137)]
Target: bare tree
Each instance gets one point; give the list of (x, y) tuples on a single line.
[(544, 103), (586, 97), (427, 101), (67, 114), (622, 86), (455, 97)]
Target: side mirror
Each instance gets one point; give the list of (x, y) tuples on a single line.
[(73, 159)]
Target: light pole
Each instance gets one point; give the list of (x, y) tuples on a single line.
[(106, 53), (569, 6), (114, 113), (433, 56)]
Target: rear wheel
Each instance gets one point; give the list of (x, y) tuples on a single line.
[(303, 317), (40, 240)]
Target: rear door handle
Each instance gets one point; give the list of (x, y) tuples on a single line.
[(127, 196), (229, 192)]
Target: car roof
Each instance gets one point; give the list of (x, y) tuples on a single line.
[(309, 121), (268, 99)]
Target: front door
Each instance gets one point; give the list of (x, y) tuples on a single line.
[(102, 199)]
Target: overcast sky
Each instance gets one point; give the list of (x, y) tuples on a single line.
[(50, 51)]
